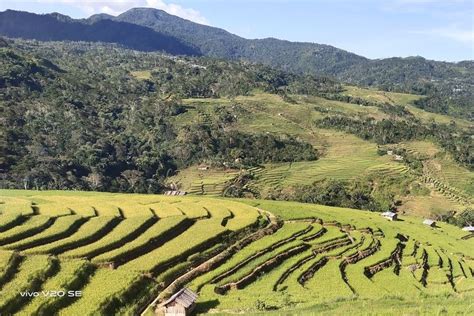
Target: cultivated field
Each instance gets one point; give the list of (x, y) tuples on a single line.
[(122, 251)]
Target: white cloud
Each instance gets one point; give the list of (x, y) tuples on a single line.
[(115, 7), (452, 32)]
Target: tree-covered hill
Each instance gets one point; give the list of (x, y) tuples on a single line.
[(76, 115), (58, 27), (449, 86), (89, 116)]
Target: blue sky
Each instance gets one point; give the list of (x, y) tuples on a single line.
[(435, 29)]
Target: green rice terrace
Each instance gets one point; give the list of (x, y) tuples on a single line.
[(439, 184), (127, 253)]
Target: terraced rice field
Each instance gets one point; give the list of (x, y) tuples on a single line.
[(346, 157), (245, 256), (209, 182)]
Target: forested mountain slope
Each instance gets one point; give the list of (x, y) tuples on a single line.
[(449, 86), (99, 117)]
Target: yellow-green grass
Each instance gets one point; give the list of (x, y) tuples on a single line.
[(381, 96), (428, 206), (103, 287), (446, 236), (152, 235), (69, 277), (249, 251), (383, 285), (325, 291), (444, 168), (346, 157), (201, 235), (14, 205), (390, 305), (94, 228), (5, 259), (10, 220), (440, 165), (208, 182), (125, 231), (242, 215), (62, 227), (31, 272), (30, 227), (404, 99)]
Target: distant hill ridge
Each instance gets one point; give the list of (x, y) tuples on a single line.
[(448, 85), (59, 27)]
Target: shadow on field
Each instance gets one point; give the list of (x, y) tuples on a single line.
[(204, 307)]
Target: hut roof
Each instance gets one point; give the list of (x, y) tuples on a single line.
[(390, 214), (468, 228), (429, 222), (184, 297)]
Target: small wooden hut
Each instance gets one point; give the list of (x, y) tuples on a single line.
[(469, 228), (389, 215), (181, 303), (429, 222)]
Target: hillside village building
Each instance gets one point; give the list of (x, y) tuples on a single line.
[(389, 215), (469, 228), (429, 222), (180, 304)]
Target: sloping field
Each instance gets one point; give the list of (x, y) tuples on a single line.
[(346, 157), (241, 256)]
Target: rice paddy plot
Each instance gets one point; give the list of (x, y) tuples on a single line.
[(126, 231), (33, 225), (53, 209), (103, 289), (202, 235), (71, 275), (154, 236), (252, 251), (32, 272), (91, 231), (62, 227), (346, 157), (193, 210), (14, 205), (8, 221), (163, 209)]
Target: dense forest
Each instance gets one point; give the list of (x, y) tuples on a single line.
[(73, 116), (93, 116), (449, 87)]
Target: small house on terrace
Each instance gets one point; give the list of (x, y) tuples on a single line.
[(429, 222), (389, 215), (181, 303), (469, 228)]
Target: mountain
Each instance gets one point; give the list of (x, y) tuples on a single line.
[(215, 42), (449, 87), (58, 27)]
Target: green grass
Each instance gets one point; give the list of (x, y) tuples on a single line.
[(190, 241), (63, 226), (67, 279), (104, 287), (32, 272), (124, 232), (87, 232), (153, 254), (152, 235), (30, 227)]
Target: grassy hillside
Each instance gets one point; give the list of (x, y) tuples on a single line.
[(436, 186), (241, 256), (125, 121)]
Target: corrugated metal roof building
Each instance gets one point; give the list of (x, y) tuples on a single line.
[(181, 303)]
